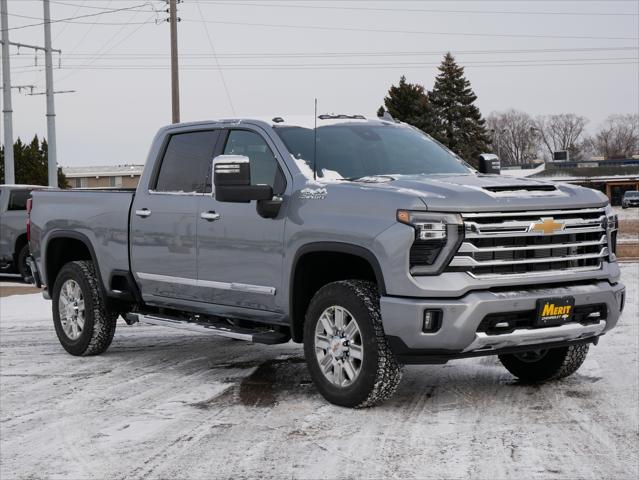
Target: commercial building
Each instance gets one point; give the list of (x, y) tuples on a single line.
[(116, 176)]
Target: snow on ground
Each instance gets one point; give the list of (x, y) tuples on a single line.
[(168, 404), (627, 213)]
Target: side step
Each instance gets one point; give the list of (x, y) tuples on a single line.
[(269, 337)]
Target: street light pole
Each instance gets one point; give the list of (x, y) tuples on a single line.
[(7, 109), (175, 80), (52, 159)]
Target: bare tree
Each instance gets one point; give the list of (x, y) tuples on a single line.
[(562, 132), (618, 137), (515, 137)]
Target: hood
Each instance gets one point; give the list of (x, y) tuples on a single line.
[(473, 193)]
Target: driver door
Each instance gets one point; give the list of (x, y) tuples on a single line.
[(240, 254)]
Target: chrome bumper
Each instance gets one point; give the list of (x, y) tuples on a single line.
[(518, 338)]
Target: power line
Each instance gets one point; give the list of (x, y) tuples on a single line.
[(93, 7), (341, 54), (417, 10), (418, 32), (100, 53), (346, 66), (421, 1), (208, 36), (79, 16), (66, 25), (86, 33)]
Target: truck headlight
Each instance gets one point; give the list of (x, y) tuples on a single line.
[(437, 238), (612, 225)]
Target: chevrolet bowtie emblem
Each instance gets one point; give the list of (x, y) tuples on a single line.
[(546, 226)]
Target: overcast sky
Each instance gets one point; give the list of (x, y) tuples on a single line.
[(278, 55)]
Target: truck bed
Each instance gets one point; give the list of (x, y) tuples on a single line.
[(100, 216)]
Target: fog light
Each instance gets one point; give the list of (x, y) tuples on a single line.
[(432, 321)]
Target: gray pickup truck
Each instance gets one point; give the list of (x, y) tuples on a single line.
[(14, 248), (365, 240)]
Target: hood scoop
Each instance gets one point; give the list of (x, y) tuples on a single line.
[(520, 188), (523, 191)]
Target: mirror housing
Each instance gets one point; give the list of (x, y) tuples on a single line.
[(489, 163), (232, 180)]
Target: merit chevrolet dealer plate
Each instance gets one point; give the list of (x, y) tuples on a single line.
[(554, 311)]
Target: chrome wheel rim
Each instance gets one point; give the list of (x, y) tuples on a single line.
[(532, 356), (338, 346), (71, 309)]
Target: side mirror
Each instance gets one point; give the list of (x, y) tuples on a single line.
[(489, 164), (232, 180)]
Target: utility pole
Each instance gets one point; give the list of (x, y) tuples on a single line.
[(175, 80), (7, 110), (48, 63)]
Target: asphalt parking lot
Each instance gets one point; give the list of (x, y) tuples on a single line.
[(169, 404)]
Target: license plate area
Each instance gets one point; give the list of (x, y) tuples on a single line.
[(554, 311)]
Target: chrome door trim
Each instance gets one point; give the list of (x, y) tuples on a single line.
[(240, 287)]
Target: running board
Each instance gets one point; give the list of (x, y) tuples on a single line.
[(269, 337)]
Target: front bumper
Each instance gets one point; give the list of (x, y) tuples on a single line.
[(458, 337)]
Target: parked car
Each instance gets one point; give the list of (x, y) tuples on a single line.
[(14, 248), (630, 199), (365, 240)]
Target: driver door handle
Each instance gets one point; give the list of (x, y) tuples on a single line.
[(143, 212), (210, 216)]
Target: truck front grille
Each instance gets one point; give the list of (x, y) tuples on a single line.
[(539, 242)]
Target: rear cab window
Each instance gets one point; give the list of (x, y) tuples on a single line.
[(18, 199), (186, 162)]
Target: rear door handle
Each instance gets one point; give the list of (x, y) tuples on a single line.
[(210, 216), (143, 212)]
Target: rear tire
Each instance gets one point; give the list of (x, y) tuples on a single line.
[(22, 267), (360, 367), (82, 322), (545, 365)]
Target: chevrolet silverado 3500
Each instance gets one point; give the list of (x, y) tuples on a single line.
[(365, 240)]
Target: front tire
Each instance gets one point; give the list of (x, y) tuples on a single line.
[(346, 350), (545, 365), (82, 322)]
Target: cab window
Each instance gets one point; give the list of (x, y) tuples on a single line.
[(187, 161), (18, 199), (264, 167)]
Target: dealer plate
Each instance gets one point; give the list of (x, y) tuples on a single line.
[(554, 311)]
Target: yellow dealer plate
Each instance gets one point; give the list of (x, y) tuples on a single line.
[(554, 311)]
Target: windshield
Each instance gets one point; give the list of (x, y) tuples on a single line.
[(632, 194), (356, 151)]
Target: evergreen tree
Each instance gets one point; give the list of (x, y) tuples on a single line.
[(31, 167), (458, 122), (408, 102)]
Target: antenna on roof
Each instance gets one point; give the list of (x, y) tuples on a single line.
[(315, 144)]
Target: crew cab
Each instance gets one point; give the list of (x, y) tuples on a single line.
[(364, 239)]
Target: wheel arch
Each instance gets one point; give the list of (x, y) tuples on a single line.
[(361, 260), (57, 253)]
